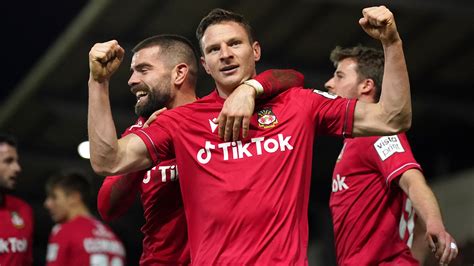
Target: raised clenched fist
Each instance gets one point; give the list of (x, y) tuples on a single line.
[(104, 60), (379, 23)]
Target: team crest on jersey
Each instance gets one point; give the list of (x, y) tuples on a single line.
[(17, 221), (266, 118), (326, 94)]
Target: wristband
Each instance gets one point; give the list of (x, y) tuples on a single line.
[(256, 85)]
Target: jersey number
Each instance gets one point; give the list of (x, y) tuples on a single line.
[(407, 223)]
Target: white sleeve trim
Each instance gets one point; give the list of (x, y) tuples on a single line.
[(398, 169), (151, 141)]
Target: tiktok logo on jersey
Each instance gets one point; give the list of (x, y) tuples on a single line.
[(339, 184), (237, 150), (13, 245), (168, 173)]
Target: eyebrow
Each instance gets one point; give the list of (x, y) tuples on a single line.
[(231, 40), (140, 66), (208, 48)]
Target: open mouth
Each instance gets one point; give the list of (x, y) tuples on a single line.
[(229, 69), (140, 94)]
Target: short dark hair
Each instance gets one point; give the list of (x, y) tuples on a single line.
[(219, 15), (176, 48), (71, 181), (8, 139), (370, 63)]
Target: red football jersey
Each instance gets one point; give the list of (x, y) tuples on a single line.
[(246, 202), (407, 221), (165, 233), (366, 203), (84, 241), (16, 232)]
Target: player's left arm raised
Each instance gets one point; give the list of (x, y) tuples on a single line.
[(392, 114)]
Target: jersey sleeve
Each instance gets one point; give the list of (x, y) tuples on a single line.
[(117, 194), (58, 251), (116, 188), (275, 81), (393, 156), (158, 137), (330, 114)]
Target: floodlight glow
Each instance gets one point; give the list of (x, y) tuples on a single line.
[(83, 150)]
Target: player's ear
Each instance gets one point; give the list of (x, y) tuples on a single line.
[(257, 51), (368, 86), (179, 73)]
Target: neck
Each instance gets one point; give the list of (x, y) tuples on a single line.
[(183, 96), (226, 90), (366, 99), (224, 93), (78, 211)]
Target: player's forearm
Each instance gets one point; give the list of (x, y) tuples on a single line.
[(423, 200), (419, 247), (395, 99), (276, 81), (426, 206), (101, 128), (116, 195)]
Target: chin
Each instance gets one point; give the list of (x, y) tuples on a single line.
[(231, 83)]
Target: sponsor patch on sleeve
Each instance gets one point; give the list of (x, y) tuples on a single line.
[(388, 146), (326, 94)]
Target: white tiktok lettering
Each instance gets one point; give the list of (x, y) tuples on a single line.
[(13, 245), (166, 173), (237, 150), (339, 184)]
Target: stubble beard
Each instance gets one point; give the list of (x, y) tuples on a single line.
[(155, 100)]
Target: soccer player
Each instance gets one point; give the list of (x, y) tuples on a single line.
[(371, 176), (78, 238), (164, 72), (16, 216), (246, 200)]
